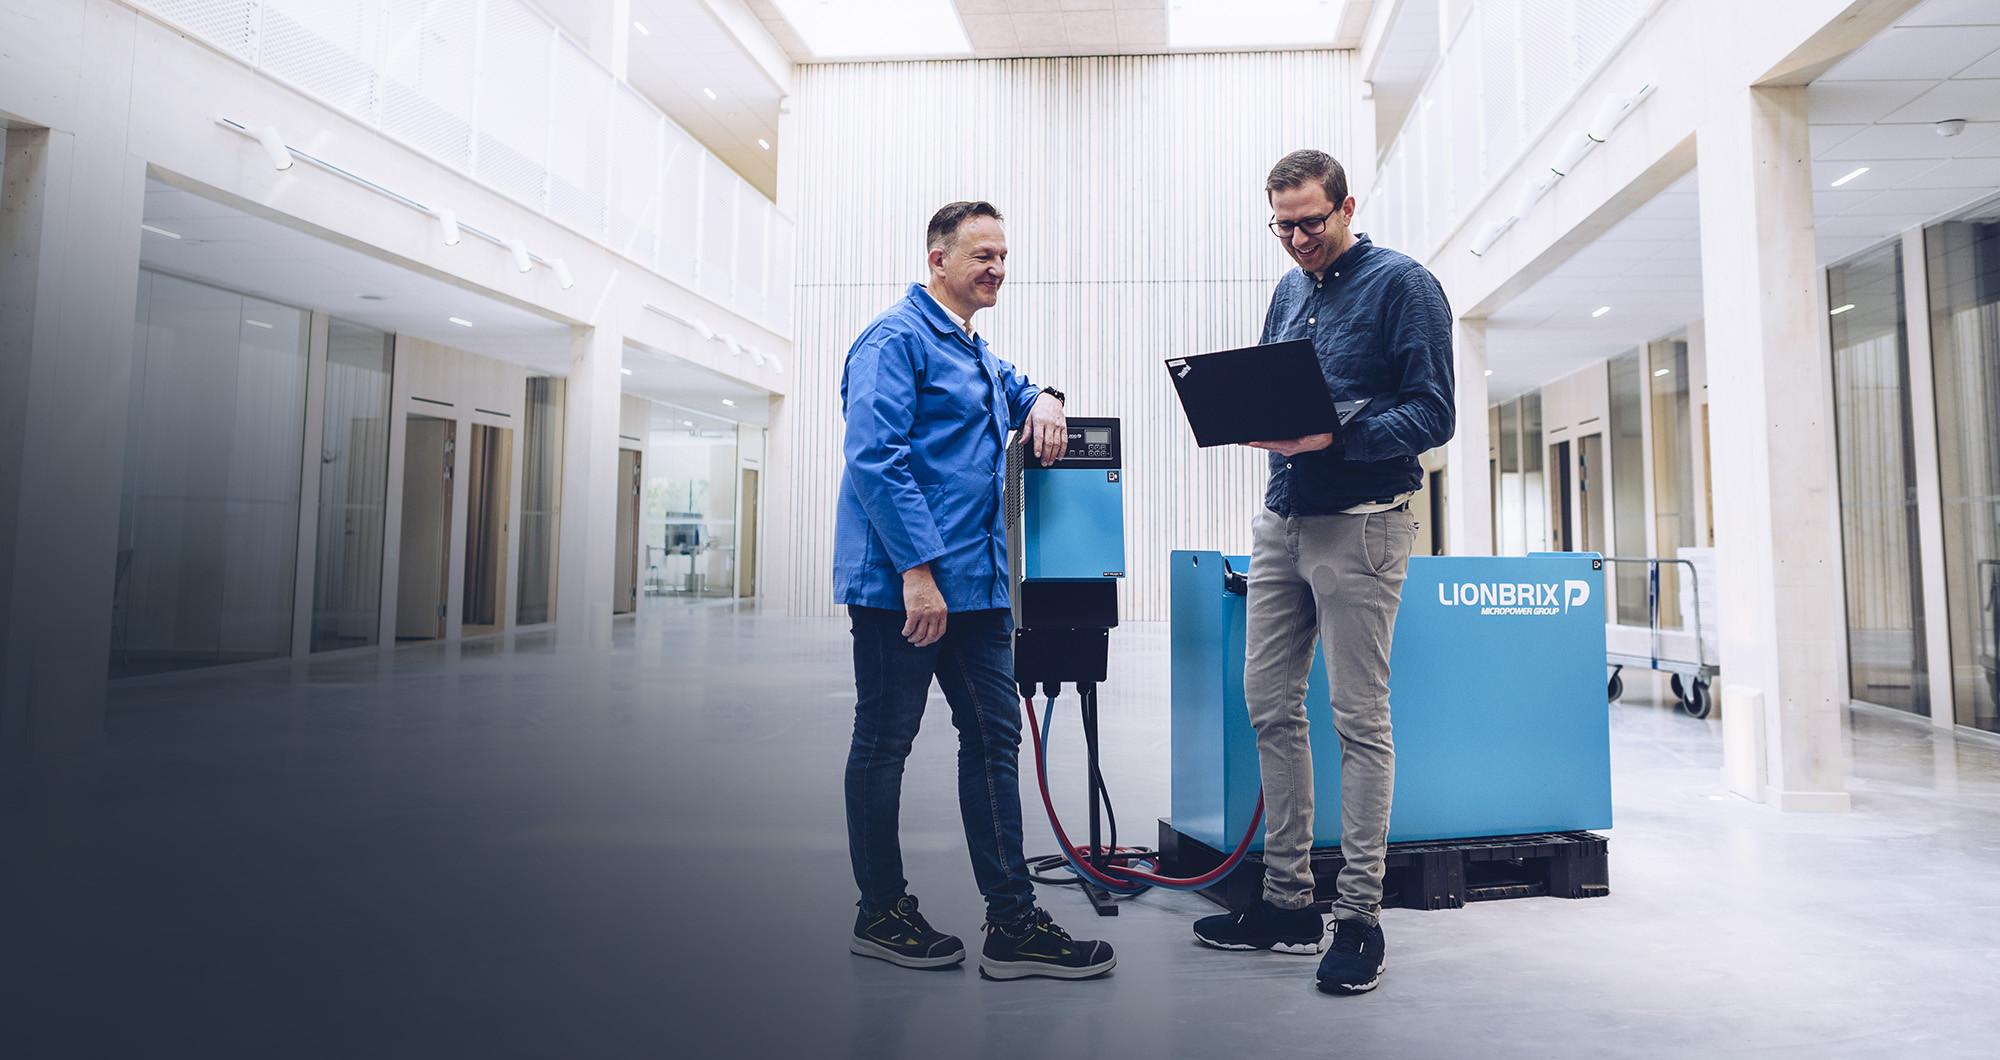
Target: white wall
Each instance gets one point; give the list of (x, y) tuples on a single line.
[(1133, 190)]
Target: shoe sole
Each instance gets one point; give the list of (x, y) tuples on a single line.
[(867, 948), (1303, 949), (1003, 970), (1345, 989)]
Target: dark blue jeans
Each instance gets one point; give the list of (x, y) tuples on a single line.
[(974, 665)]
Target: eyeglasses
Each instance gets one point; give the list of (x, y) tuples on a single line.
[(1313, 226)]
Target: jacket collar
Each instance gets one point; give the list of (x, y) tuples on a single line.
[(934, 313)]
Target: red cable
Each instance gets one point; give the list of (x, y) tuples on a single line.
[(1128, 876)]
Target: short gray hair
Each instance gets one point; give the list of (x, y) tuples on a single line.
[(943, 232)]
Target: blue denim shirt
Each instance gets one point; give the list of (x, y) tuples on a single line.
[(1382, 329), (928, 412)]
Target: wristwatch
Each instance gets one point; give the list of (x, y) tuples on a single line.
[(1057, 394)]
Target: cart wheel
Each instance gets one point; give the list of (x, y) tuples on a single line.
[(1674, 682), (1698, 703), (1614, 688)]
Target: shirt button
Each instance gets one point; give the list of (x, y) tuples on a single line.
[(1312, 320), (1288, 465)]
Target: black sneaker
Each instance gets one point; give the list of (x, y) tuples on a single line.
[(900, 936), (1353, 961), (1263, 926), (1036, 946)]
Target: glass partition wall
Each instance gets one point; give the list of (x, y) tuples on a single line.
[(688, 518), (541, 476), (353, 488), (1964, 281), (1878, 506), (1628, 486), (209, 508)]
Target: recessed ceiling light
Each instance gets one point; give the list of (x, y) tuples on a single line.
[(641, 27), (729, 403), (1658, 372), (256, 323), (461, 322), (850, 28), (1850, 176), (1839, 310), (1600, 311), (687, 423), (709, 92), (761, 142), (161, 232), (1489, 371), (1230, 23), (625, 371)]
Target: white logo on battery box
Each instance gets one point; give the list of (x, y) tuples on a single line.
[(1515, 598)]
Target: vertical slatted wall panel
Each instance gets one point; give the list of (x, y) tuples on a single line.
[(1133, 193)]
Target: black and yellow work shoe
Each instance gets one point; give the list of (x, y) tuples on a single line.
[(1036, 946), (901, 936)]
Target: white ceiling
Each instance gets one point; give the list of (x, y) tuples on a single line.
[(1647, 268), (1878, 108), (684, 53), (227, 247), (665, 377)]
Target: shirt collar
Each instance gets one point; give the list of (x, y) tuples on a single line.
[(1352, 255), (963, 325)]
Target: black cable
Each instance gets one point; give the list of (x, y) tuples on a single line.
[(1045, 863)]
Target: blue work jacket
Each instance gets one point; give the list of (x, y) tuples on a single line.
[(1380, 325), (928, 413)]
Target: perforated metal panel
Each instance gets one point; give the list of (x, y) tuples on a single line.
[(752, 217), (680, 204), (228, 24), (328, 48), (717, 279), (516, 62), (1548, 65), (579, 166), (1508, 73), (635, 176), (427, 77), (1499, 36), (491, 88)]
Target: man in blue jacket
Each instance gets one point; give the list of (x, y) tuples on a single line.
[(1328, 556), (920, 560)]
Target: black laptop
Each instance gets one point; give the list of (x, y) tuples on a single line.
[(1257, 394)]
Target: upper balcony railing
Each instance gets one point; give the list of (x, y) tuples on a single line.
[(1510, 68), (492, 89)]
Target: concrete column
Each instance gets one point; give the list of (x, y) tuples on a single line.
[(588, 522), (1468, 510), (1777, 530), (70, 208)]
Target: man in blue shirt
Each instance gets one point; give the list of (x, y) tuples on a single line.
[(920, 560), (1328, 557)]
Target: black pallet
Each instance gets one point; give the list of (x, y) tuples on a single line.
[(1435, 874)]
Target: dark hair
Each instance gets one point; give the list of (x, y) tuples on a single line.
[(944, 223), (1306, 165)]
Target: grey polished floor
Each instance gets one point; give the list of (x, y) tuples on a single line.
[(506, 850)]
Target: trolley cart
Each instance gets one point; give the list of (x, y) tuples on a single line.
[(1690, 678)]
